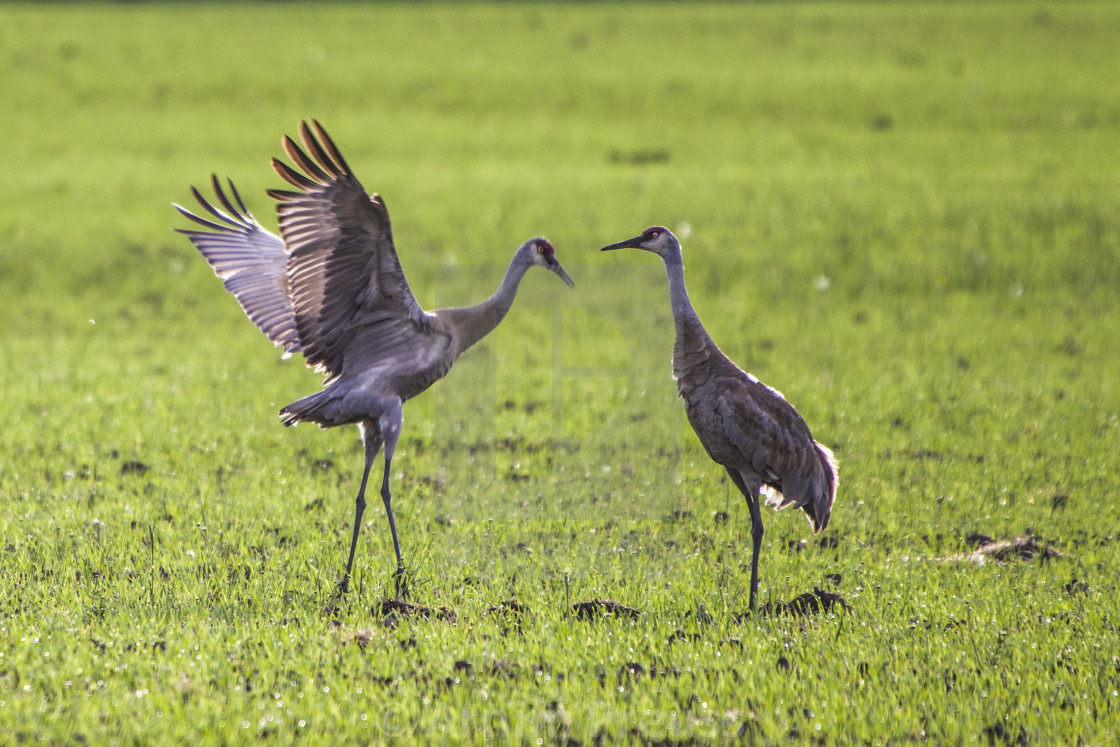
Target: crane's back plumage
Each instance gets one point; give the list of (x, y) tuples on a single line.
[(750, 427), (745, 426)]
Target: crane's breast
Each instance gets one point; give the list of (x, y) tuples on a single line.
[(710, 424), (423, 372), (422, 380)]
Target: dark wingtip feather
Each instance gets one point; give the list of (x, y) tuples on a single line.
[(318, 152), (283, 195), (291, 176), (216, 185), (331, 148), (232, 218), (196, 219), (318, 171), (237, 196)]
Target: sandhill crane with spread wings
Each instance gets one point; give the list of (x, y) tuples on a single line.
[(332, 289), (744, 425)]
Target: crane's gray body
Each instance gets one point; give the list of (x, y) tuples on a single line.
[(332, 288), (744, 425), (749, 427)]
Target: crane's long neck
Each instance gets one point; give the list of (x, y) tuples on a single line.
[(472, 323), (693, 348), (684, 316)]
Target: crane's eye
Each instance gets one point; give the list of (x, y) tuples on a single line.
[(540, 249), (654, 234)]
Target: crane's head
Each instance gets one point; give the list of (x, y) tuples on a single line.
[(539, 251), (656, 239)]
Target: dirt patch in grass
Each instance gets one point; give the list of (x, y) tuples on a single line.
[(363, 637), (803, 605), (392, 610), (1003, 551), (511, 612), (810, 603), (1000, 734), (603, 608), (134, 468), (510, 607)]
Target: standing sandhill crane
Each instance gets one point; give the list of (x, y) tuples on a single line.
[(332, 288), (744, 425)]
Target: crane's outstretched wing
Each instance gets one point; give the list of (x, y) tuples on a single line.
[(250, 260), (352, 304)]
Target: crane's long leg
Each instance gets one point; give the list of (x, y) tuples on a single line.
[(390, 423), (371, 439), (756, 528)]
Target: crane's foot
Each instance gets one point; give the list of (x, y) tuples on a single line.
[(400, 582), (335, 602), (343, 586)]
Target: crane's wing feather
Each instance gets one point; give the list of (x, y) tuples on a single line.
[(351, 300), (775, 441), (249, 259)]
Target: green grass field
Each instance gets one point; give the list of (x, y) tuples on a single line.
[(905, 216)]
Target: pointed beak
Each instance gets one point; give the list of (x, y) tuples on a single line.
[(555, 267), (634, 243)]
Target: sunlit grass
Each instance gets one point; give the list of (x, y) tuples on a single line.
[(902, 215)]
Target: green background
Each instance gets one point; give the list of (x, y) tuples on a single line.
[(902, 215)]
